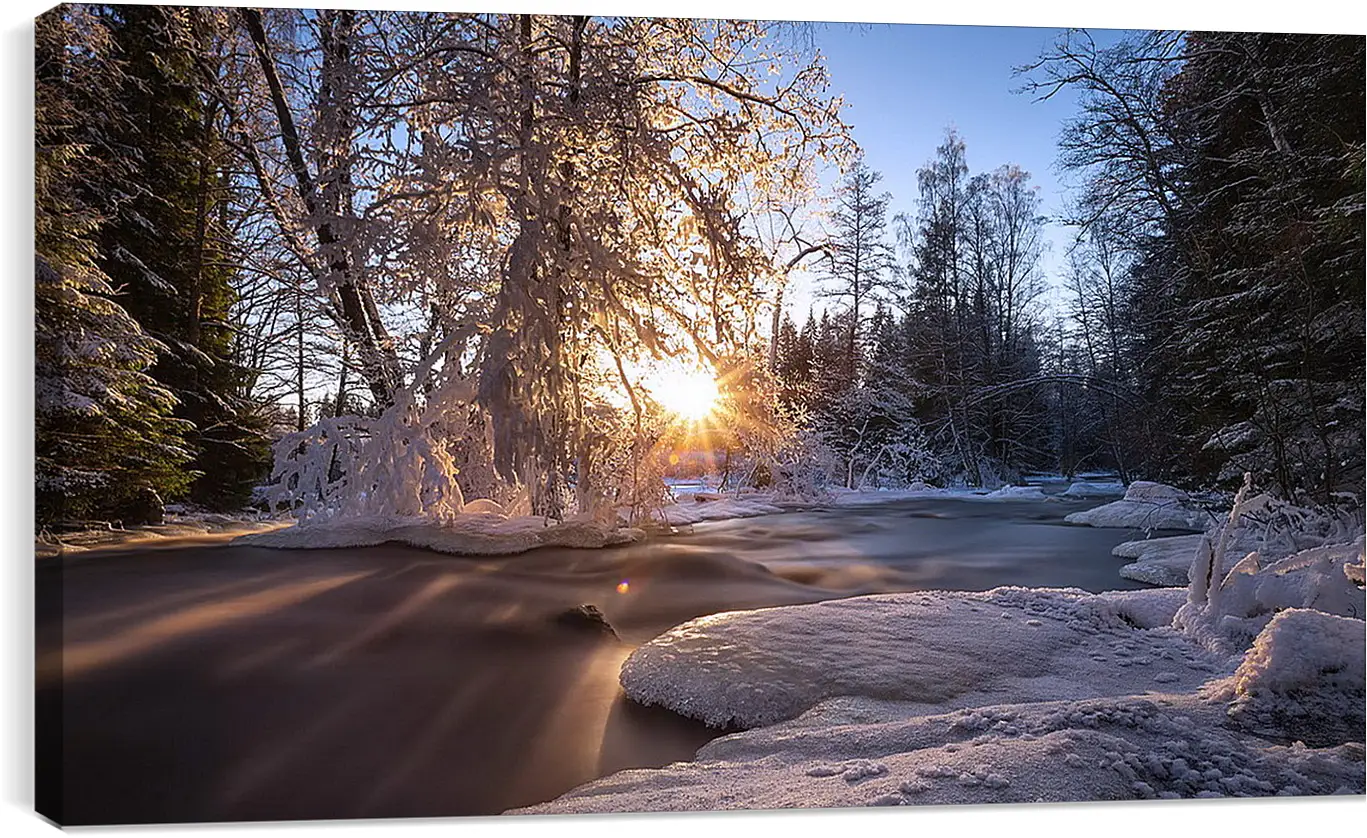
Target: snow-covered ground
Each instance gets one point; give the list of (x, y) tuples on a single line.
[(1249, 682), (471, 534), (179, 523), (1147, 506)]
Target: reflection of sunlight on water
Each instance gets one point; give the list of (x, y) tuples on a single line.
[(106, 620), (504, 614), (76, 658), (411, 605), (259, 657), (575, 727), (244, 779), (434, 736)]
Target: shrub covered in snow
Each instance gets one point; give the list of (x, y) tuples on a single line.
[(1232, 595)]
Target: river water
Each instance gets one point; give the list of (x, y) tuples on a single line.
[(226, 682)]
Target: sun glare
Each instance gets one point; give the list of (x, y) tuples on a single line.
[(688, 393)]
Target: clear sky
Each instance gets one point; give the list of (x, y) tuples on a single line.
[(904, 84)]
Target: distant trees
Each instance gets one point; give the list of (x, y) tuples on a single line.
[(973, 315), (1221, 211), (861, 262), (942, 380)]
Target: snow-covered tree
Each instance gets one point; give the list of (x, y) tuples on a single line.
[(105, 442), (562, 193)]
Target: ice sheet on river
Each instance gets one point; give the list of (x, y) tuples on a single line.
[(1159, 561), (1010, 695), (1147, 506)]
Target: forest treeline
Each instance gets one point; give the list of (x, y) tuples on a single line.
[(1210, 319), (445, 236)]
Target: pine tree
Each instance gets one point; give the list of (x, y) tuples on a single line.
[(1268, 358), (106, 444), (861, 262), (167, 244)]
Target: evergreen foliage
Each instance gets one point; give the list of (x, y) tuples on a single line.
[(166, 242), (106, 444)]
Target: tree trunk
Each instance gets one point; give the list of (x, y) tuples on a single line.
[(379, 365)]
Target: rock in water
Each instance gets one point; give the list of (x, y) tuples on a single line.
[(586, 617)]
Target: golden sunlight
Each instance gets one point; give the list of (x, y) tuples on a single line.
[(690, 393)]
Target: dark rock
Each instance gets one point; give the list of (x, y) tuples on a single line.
[(585, 617)]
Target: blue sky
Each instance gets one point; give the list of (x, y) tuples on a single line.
[(904, 84)]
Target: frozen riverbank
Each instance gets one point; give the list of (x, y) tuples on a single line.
[(178, 527), (1249, 682), (1012, 695), (484, 529)]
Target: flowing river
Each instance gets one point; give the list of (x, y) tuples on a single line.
[(193, 682)]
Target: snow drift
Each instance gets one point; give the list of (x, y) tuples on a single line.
[(1248, 682), (921, 699), (1147, 506)]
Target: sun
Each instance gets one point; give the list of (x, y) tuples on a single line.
[(690, 393)]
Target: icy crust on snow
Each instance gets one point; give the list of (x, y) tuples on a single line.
[(1099, 749), (470, 534), (1147, 506), (1159, 561), (935, 649), (1284, 718)]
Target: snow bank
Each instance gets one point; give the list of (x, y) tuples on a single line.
[(1008, 696), (1100, 749), (470, 534), (1146, 506), (1017, 493), (178, 524), (1304, 649), (702, 507), (1242, 684), (1302, 679), (1084, 490), (1228, 606), (1159, 561), (934, 649)]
